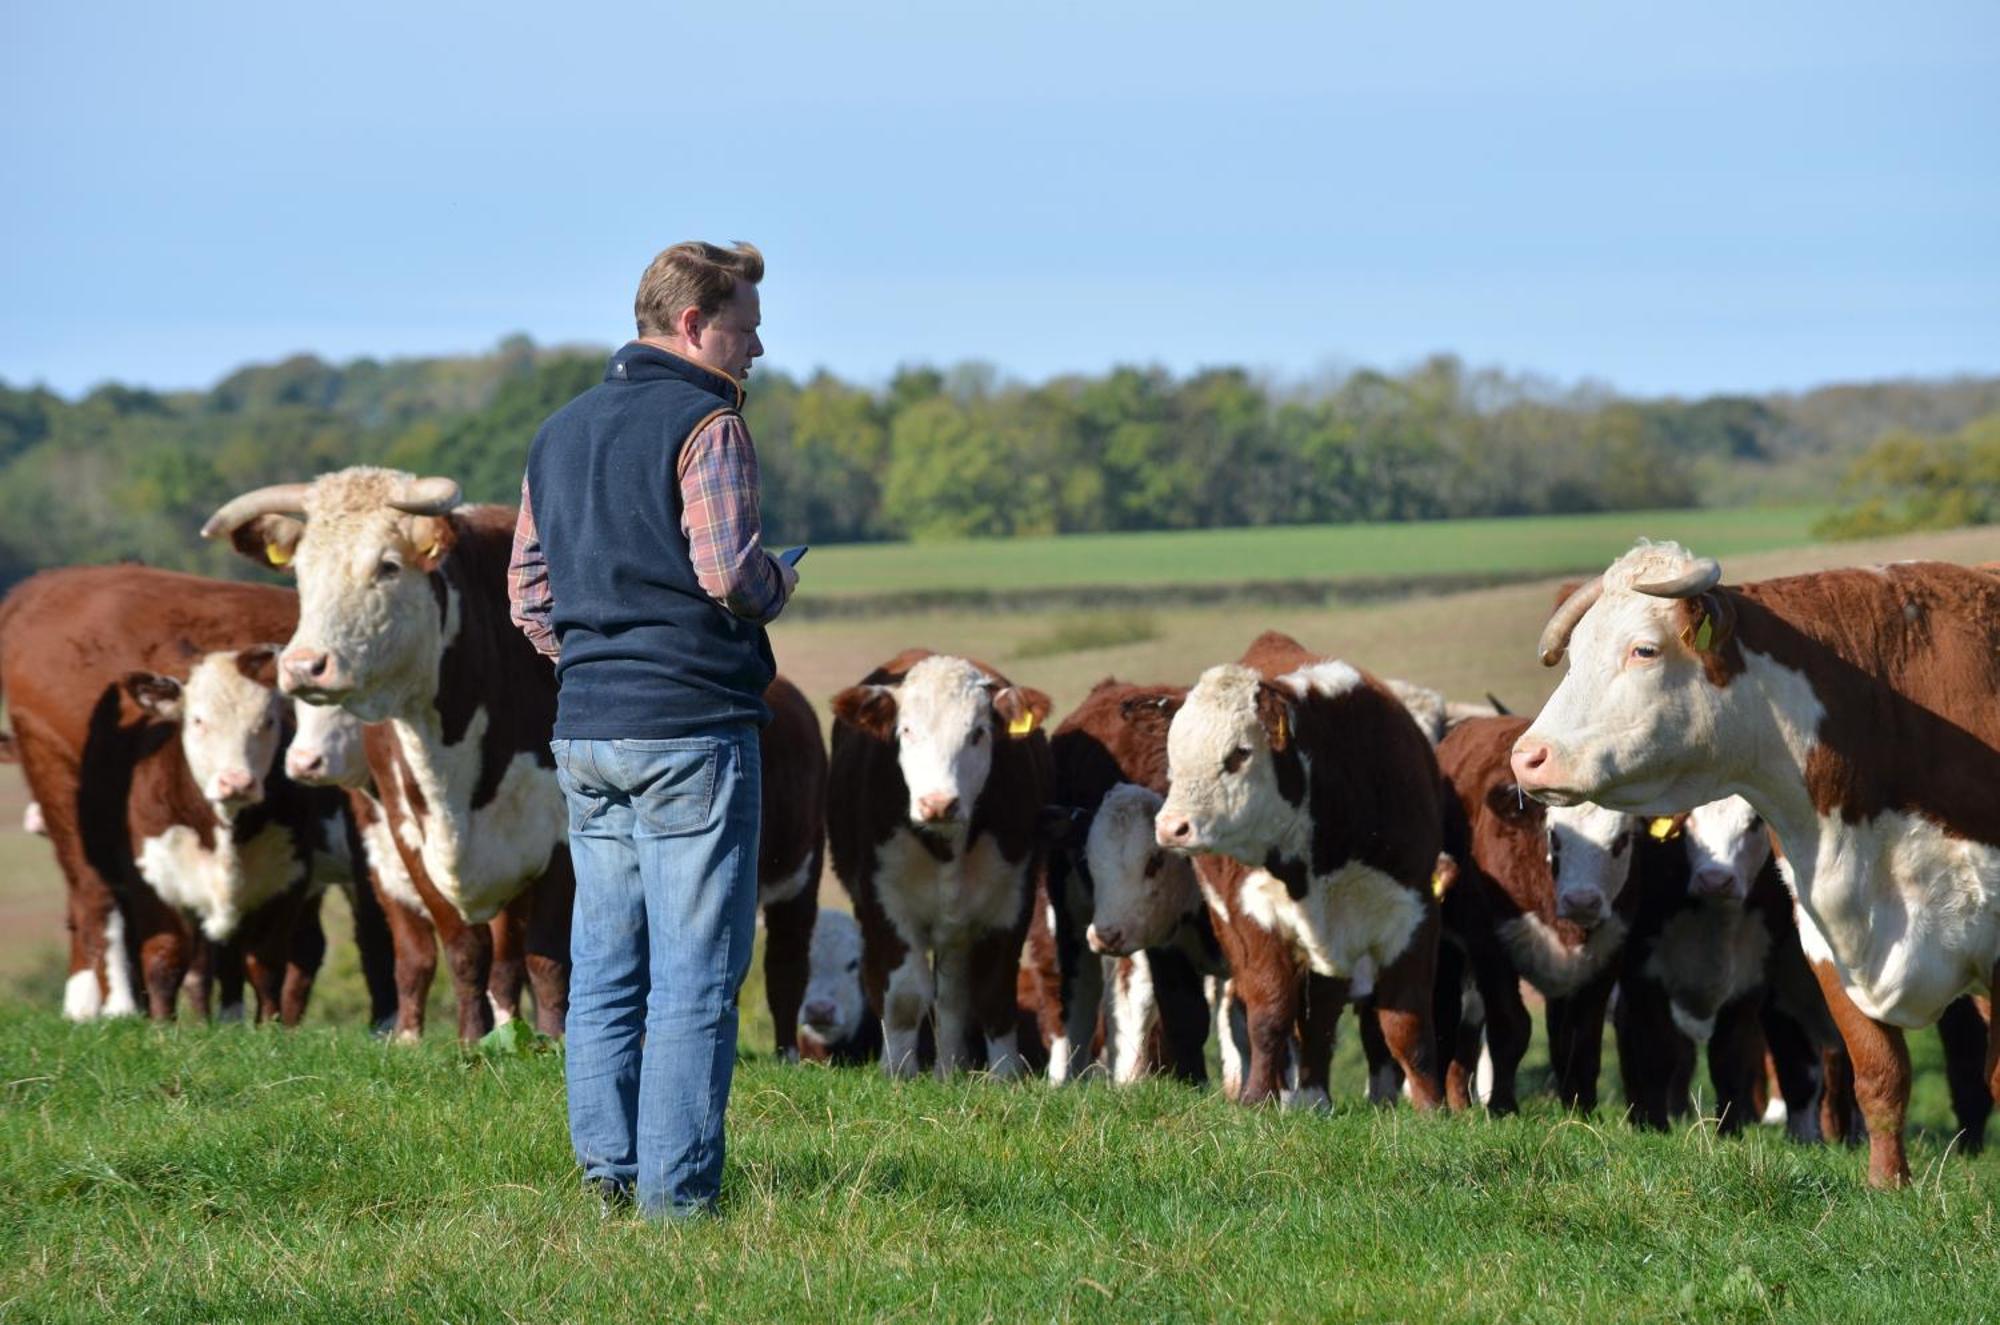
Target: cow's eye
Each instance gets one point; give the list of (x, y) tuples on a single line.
[(1237, 758), (387, 569), (1644, 652), (978, 735), (854, 965)]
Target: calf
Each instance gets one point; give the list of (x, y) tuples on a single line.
[(1322, 787), (834, 1023), (1538, 896), (938, 776), (1858, 711)]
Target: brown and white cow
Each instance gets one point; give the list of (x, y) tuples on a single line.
[(939, 773), (403, 622), (1858, 711), (1322, 786), (789, 853), (1540, 896), (68, 638)]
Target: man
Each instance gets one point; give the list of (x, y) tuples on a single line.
[(639, 568)]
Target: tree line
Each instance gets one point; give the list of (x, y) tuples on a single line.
[(936, 453)]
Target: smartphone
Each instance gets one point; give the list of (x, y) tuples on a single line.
[(792, 556)]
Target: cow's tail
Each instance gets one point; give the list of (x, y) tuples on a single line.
[(9, 752)]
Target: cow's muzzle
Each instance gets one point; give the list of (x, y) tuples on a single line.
[(313, 675)]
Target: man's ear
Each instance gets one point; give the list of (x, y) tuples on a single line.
[(269, 540), (1020, 709), (158, 695), (431, 538), (1274, 712), (871, 709), (1513, 805)]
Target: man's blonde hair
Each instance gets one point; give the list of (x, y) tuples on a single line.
[(692, 275)]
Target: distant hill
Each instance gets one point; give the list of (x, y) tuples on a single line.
[(129, 473)]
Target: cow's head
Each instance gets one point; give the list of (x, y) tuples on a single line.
[(362, 543), (1143, 891), (326, 749), (1640, 721), (231, 721), (945, 717), (1727, 847), (1236, 782), (1589, 849), (834, 1004)]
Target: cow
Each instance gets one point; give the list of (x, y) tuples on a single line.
[(68, 639), (1321, 786), (403, 622), (1857, 711), (938, 776), (834, 1024), (1118, 734), (789, 852), (1538, 895)]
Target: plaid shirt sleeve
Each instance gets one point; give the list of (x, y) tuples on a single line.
[(718, 477), (530, 600)]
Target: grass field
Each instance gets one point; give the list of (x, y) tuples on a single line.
[(225, 1174), (1551, 545)]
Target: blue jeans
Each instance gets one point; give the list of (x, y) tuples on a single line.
[(664, 837)]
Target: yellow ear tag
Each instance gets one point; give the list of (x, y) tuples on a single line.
[(1440, 883), (1660, 829), (277, 556), (1705, 635), (1022, 725), (1284, 734)]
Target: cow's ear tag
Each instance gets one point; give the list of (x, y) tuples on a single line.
[(1022, 725), (1441, 881), (1283, 736), (1660, 829), (1705, 634), (430, 552), (277, 555)]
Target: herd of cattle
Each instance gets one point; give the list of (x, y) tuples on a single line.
[(1764, 818)]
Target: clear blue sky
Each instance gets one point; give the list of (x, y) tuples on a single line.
[(1671, 198)]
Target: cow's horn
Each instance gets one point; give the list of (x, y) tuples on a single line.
[(426, 496), (279, 499), (1700, 576), (1555, 636)]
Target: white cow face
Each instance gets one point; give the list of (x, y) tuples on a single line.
[(1224, 756), (1636, 724), (944, 718), (834, 1003), (1590, 852), (326, 748), (1727, 848), (231, 722), (373, 621), (1142, 891)]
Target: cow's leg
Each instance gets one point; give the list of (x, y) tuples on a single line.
[(200, 977), (1508, 1030), (415, 942), (374, 945), (1183, 1014), (952, 1007), (229, 982), (992, 968), (554, 905), (1232, 1033), (1963, 1032), (788, 930), (1321, 1002), (1736, 1064), (1576, 1043), (509, 932), (905, 1004), (100, 961), (1403, 1006), (305, 953), (1648, 1042), (1271, 1013), (1800, 1075), (1839, 1118), (1385, 1075), (1881, 1078), (468, 952), (1081, 973), (166, 948)]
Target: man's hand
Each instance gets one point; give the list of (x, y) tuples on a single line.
[(788, 573)]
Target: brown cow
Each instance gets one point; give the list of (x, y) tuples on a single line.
[(789, 851), (1322, 786), (939, 773), (1858, 711), (1539, 896), (403, 621), (68, 638)]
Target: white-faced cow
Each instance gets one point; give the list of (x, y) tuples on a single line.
[(1858, 711), (1321, 784), (403, 622), (939, 773), (834, 1023)]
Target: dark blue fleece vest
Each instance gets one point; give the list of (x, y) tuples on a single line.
[(646, 654)]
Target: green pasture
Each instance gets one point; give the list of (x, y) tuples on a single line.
[(1540, 545), (229, 1174)]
